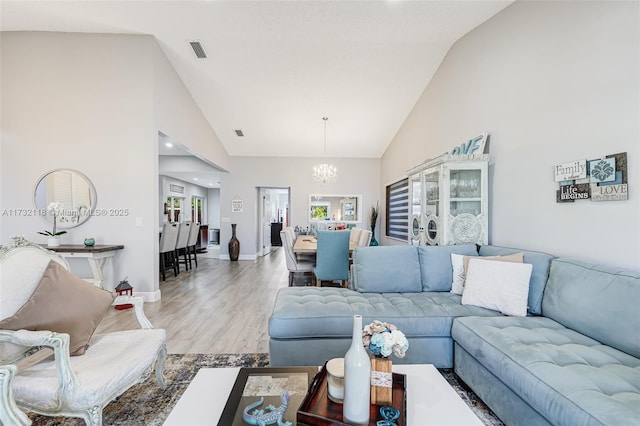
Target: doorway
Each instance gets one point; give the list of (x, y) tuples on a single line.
[(273, 216)]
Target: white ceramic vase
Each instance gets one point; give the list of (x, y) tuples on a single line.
[(53, 242), (357, 379)]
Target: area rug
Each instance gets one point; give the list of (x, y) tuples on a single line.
[(146, 404)]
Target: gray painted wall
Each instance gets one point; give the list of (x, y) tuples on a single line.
[(95, 103), (355, 176), (552, 82), (213, 208)]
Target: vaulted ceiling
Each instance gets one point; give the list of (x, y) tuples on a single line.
[(275, 68)]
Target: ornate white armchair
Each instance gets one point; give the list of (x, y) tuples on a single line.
[(64, 385)]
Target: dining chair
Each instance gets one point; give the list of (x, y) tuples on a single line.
[(332, 258), (306, 257), (365, 238), (191, 243), (181, 245), (354, 236), (291, 231), (293, 263), (168, 241)]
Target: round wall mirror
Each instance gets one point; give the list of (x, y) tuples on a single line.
[(67, 195)]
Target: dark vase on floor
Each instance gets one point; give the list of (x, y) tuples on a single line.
[(373, 242), (234, 244)]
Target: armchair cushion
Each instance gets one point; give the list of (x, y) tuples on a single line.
[(64, 303), (112, 363)]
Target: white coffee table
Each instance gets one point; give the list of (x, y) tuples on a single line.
[(430, 399)]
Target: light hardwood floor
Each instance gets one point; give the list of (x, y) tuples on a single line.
[(218, 307)]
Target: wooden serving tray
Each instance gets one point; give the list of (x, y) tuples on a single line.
[(317, 409)]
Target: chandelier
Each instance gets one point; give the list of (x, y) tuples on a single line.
[(325, 173)]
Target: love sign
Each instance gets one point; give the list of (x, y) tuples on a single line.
[(472, 146)]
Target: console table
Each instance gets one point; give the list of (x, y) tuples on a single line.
[(98, 256)]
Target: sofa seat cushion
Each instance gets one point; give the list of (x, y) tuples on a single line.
[(567, 377), (134, 350), (328, 312)]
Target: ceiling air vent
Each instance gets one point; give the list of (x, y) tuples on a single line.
[(239, 132), (198, 50)]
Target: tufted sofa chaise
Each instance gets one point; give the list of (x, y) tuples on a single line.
[(573, 360)]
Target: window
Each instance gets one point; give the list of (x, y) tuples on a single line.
[(397, 203), (174, 205), (196, 209)]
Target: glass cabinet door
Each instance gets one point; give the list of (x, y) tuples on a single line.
[(432, 207), (449, 203), (465, 192), (416, 195), (415, 209), (432, 194)]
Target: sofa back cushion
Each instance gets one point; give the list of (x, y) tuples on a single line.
[(598, 301), (436, 270), (541, 263), (386, 269)]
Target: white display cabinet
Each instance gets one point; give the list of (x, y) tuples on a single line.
[(449, 203)]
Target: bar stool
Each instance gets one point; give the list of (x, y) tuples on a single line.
[(191, 243), (181, 245), (168, 241)]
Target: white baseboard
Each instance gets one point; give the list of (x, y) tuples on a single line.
[(149, 296)]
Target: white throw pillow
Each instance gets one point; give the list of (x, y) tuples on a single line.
[(500, 286), (457, 285), (460, 263)]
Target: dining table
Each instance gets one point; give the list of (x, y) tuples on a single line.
[(308, 244)]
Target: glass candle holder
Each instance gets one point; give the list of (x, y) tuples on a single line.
[(335, 379)]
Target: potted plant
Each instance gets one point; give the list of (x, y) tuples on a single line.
[(54, 208)]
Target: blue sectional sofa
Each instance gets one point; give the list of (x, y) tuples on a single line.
[(578, 364), (575, 359)]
